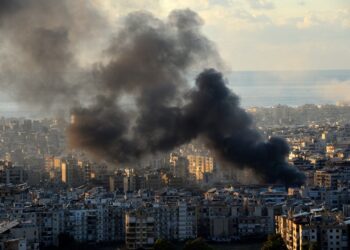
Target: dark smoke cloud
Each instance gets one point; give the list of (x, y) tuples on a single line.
[(41, 68), (150, 60), (213, 112), (151, 53), (102, 129), (48, 50), (148, 63)]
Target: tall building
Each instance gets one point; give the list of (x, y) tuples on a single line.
[(133, 183), (11, 174), (154, 181), (72, 172), (87, 170), (53, 167), (187, 221), (179, 166), (139, 229), (300, 231), (116, 181), (198, 165)]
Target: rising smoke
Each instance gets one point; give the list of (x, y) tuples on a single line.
[(148, 62), (40, 41)]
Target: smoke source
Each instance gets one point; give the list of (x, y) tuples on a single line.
[(148, 63)]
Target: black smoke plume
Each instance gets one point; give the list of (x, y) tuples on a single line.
[(149, 60), (213, 112), (147, 64)]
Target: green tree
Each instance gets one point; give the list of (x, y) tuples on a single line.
[(197, 244), (162, 244), (274, 242)]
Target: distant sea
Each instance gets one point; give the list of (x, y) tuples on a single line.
[(263, 88), (293, 88)]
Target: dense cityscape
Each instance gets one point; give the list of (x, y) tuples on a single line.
[(174, 125), (49, 192)]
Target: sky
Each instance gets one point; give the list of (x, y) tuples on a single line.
[(261, 34), (250, 35)]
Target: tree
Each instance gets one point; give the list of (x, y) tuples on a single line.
[(162, 244), (274, 242), (197, 244)]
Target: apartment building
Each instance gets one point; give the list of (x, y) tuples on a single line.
[(139, 229), (299, 231)]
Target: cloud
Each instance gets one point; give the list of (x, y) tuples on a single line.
[(337, 19), (252, 18), (261, 4), (249, 34)]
